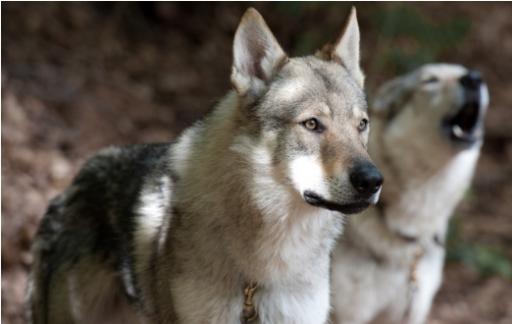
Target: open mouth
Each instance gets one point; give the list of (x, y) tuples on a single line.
[(317, 201), (463, 127)]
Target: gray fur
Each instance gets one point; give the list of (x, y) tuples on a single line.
[(172, 233), (427, 173)]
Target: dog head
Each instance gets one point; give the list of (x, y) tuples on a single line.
[(307, 116), (427, 116)]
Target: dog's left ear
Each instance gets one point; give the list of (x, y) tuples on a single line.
[(256, 55), (346, 49), (391, 97)]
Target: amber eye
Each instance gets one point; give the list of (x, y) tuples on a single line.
[(363, 124), (313, 125)]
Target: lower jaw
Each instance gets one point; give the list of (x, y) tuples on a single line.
[(344, 209), (352, 208)]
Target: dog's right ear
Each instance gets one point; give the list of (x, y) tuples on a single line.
[(256, 55)]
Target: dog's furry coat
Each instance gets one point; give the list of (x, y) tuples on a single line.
[(426, 136), (173, 233)]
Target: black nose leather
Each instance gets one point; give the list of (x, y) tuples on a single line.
[(366, 178), (472, 80)]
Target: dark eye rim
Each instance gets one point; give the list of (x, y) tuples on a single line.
[(430, 79), (363, 125), (320, 128)]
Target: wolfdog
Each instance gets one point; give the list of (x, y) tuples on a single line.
[(234, 222), (427, 130)]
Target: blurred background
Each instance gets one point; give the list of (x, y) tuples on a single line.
[(79, 76)]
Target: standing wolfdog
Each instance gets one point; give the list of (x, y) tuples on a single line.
[(233, 223), (426, 137)]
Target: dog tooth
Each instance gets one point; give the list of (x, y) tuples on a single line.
[(457, 131)]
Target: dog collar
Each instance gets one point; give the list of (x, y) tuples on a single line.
[(249, 313)]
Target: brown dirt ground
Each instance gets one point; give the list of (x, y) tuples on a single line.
[(79, 77)]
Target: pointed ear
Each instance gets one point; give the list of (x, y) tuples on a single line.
[(392, 96), (346, 49), (256, 55)]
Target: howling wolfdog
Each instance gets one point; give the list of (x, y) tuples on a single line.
[(426, 137), (233, 223)]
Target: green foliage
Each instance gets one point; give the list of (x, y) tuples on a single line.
[(408, 38), (486, 260), (308, 42), (318, 33), (294, 8)]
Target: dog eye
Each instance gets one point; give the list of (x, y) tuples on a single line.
[(313, 125), (431, 79), (363, 124)]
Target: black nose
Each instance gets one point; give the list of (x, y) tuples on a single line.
[(366, 178), (472, 80)]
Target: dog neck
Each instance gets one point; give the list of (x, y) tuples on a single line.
[(414, 213)]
